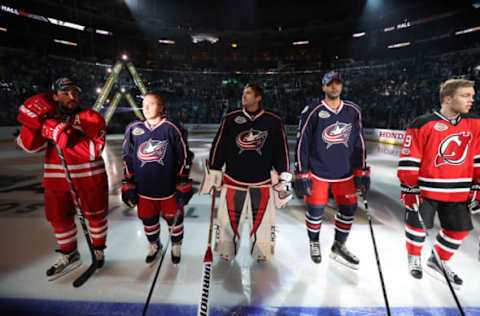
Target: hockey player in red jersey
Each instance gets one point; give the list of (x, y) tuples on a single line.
[(331, 153), (439, 171), (55, 118), (252, 145), (157, 166)]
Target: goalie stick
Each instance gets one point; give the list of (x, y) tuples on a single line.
[(365, 202), (170, 231), (207, 265), (78, 208), (437, 257)]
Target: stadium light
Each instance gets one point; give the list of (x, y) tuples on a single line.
[(470, 30), (65, 42), (476, 5), (169, 42), (399, 45), (123, 90), (109, 70), (124, 56), (3, 29), (360, 34), (103, 32), (301, 43), (234, 45)]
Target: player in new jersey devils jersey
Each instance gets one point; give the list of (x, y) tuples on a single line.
[(157, 165), (55, 118), (251, 143), (439, 170), (330, 153)]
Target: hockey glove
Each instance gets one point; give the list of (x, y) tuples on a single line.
[(183, 192), (129, 192), (362, 179), (411, 196), (283, 189), (33, 112), (211, 179), (474, 199), (58, 131), (303, 184)]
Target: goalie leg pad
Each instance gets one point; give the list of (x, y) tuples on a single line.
[(261, 214), (229, 221)]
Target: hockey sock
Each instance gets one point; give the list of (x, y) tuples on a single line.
[(66, 235), (414, 233), (313, 220), (152, 228), (98, 232), (448, 242), (344, 221), (177, 233)]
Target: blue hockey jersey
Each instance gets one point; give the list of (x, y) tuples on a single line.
[(250, 145), (330, 143), (155, 155)]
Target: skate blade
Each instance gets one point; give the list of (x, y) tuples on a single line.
[(74, 266), (344, 262), (440, 277)]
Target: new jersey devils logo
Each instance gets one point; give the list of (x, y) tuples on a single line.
[(453, 149), (251, 140), (337, 133), (152, 150)]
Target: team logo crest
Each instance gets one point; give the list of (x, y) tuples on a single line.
[(138, 131), (323, 114), (152, 151), (240, 120), (440, 127), (337, 133), (251, 140), (453, 149)]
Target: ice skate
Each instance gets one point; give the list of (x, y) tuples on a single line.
[(176, 252), (415, 266), (315, 253), (154, 249), (342, 255), (100, 258), (436, 272), (65, 264)]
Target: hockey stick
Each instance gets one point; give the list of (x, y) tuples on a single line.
[(78, 208), (170, 232), (437, 257), (364, 197), (207, 265)]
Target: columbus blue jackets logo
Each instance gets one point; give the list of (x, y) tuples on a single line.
[(251, 140), (337, 133), (453, 149), (152, 151)]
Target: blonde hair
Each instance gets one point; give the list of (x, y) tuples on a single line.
[(449, 87)]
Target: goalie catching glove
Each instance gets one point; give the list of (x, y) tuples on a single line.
[(282, 187)]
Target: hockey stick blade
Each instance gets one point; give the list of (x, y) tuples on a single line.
[(206, 276), (85, 275)]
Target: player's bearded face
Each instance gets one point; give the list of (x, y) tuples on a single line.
[(69, 99), (462, 100), (333, 90), (151, 109)]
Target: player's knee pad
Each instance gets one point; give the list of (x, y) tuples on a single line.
[(227, 235), (262, 223), (347, 211)]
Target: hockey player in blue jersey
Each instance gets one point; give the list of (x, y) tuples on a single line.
[(331, 153), (156, 169)]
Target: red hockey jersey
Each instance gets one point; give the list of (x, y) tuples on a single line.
[(441, 156), (83, 157)]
